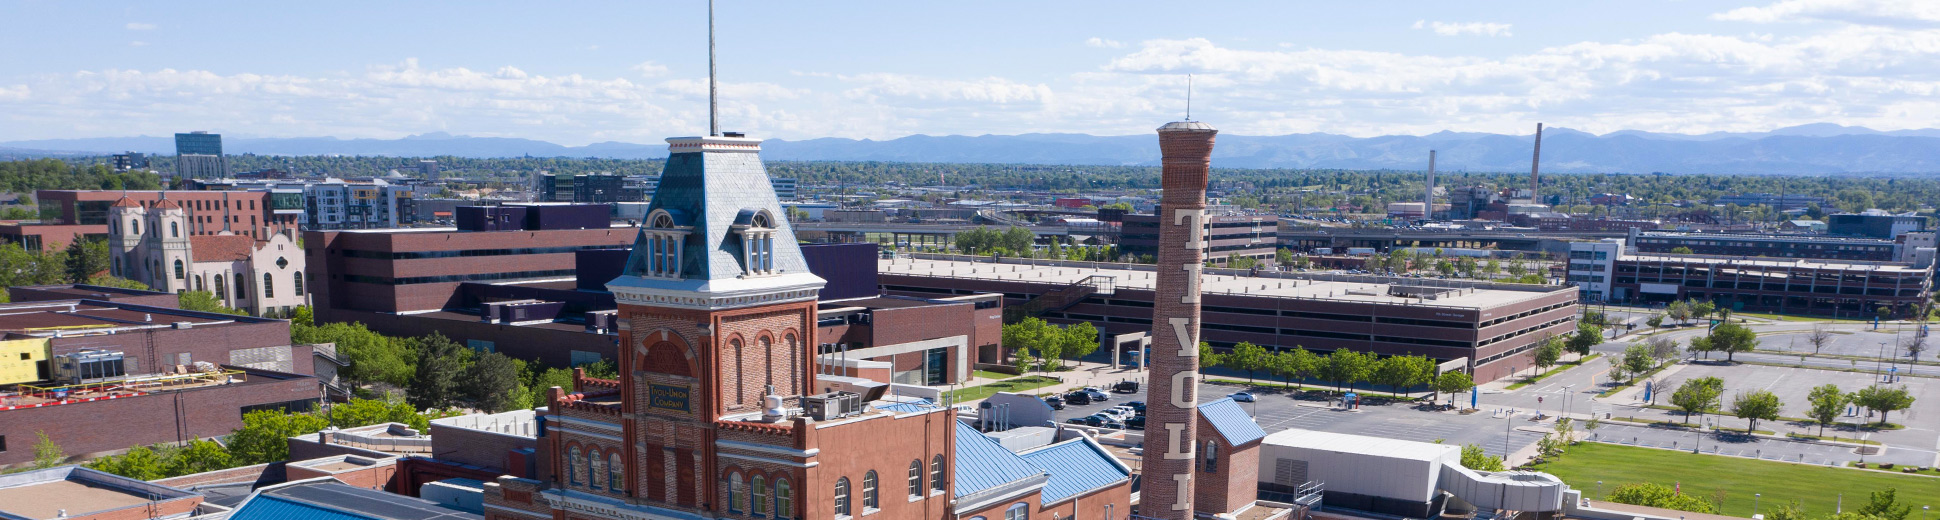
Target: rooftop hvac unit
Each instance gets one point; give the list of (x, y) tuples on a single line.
[(87, 366), (833, 405)]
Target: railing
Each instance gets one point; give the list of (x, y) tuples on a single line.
[(1063, 297)]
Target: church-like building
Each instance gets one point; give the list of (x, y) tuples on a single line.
[(154, 244)]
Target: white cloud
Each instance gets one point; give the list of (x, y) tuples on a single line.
[(137, 43), (1103, 43), (1463, 29), (1888, 13), (650, 69), (139, 26)]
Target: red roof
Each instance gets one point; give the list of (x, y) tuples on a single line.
[(126, 202), (167, 204), (211, 248)]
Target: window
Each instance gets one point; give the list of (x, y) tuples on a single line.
[(178, 270), (134, 227), (242, 288), (198, 283), (842, 496), (615, 473), (936, 474), (174, 230), (737, 493), (269, 286), (784, 503), (220, 294), (575, 467), (596, 478), (1212, 457), (869, 491), (760, 488), (1018, 511), (298, 278), (916, 479)]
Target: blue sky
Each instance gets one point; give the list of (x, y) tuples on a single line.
[(583, 72)]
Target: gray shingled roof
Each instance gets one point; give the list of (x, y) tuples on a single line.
[(710, 190)]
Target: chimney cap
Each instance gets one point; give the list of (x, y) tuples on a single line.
[(1187, 126)]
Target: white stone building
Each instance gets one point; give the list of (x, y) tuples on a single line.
[(152, 245)]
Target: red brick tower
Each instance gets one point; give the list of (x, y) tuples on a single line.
[(1173, 410)]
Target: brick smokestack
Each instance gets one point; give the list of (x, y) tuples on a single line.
[(1173, 412), (1535, 169), (1428, 199)]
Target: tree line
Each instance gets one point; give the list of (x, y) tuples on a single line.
[(1342, 367)]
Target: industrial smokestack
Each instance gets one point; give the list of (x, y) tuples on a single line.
[(1428, 197), (1535, 169), (1174, 396)]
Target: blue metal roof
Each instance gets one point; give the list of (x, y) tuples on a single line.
[(983, 464), (920, 405), (1231, 421), (270, 507), (1076, 466)]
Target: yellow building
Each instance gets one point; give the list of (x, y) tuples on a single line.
[(21, 360)]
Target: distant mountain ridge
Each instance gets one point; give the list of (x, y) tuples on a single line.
[(1821, 148)]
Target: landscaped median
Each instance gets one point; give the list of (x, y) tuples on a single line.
[(1015, 385), (1560, 367), (1733, 479)]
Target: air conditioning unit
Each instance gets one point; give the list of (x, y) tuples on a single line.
[(833, 405)]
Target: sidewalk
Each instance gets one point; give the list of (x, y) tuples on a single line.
[(1090, 374)]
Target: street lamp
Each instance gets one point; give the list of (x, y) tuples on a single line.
[(1754, 503)]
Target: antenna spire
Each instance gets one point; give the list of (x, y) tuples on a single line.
[(713, 107), (1188, 97)]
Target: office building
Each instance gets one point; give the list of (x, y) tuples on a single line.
[(1805, 286), (378, 204), (1772, 246), (198, 155), (1874, 223), (130, 161), (1226, 234), (785, 188), (587, 189)]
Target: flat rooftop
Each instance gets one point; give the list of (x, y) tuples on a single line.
[(1346, 288), (1800, 263), (44, 494), (1764, 238), (90, 316), (1361, 445), (404, 231)]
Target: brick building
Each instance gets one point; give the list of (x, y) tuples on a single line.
[(1250, 236), (77, 493), (1776, 246)]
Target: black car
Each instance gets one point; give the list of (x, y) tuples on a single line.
[(1056, 402), (1138, 407), (1077, 398), (1125, 387), (1135, 423)]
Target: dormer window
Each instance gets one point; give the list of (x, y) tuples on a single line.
[(661, 247), (757, 230)]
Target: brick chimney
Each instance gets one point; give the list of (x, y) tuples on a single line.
[(1174, 394)]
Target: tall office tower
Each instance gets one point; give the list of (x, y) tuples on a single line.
[(198, 155), (1173, 414)]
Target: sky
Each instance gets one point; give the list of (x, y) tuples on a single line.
[(576, 73)]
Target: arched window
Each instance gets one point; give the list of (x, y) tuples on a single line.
[(269, 286), (767, 359), (575, 467), (174, 230), (242, 287), (178, 270), (760, 487), (737, 493), (1018, 511), (936, 474), (596, 478), (134, 227), (198, 283), (220, 293), (915, 478), (298, 278), (784, 501), (740, 392), (615, 473), (842, 496), (1212, 457), (869, 494)]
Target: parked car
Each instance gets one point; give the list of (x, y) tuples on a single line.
[(1137, 406), (1076, 420), (1104, 421), (1097, 395), (1125, 387), (1242, 397), (1056, 402), (1135, 423), (1079, 398)]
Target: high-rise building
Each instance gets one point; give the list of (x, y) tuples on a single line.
[(129, 161), (198, 155), (1173, 415)]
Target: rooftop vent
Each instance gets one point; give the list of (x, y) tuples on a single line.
[(832, 405)]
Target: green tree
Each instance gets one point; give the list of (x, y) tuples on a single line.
[(1885, 504), (1659, 495), (493, 382), (1024, 361), (1787, 511), (1884, 399), (139, 463), (204, 301), (120, 283), (366, 412), (441, 370), (1703, 309), (1345, 367), (199, 456), (1247, 357), (1283, 256), (1474, 458), (1298, 363), (1638, 359), (373, 357), (1679, 310), (1208, 357), (1827, 403), (1587, 335), (1703, 344), (1755, 406), (1399, 372), (1697, 395), (1033, 334), (1680, 250), (47, 453), (1655, 321), (1548, 353), (264, 436), (86, 258), (1732, 338), (1077, 341), (1453, 382)]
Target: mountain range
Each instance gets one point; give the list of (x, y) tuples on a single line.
[(1821, 148)]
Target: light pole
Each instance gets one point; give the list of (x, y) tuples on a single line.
[(1599, 491), (1754, 503), (1506, 427), (1879, 363)]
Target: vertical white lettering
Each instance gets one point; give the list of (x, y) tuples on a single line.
[(1192, 283), (1188, 347), (1194, 234), (1182, 382), (1177, 432), (1182, 500)]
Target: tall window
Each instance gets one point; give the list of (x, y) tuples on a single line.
[(174, 230), (1018, 511), (842, 496), (760, 486), (242, 287), (1212, 457), (915, 478), (596, 478), (134, 227), (784, 501), (178, 269), (269, 286), (737, 494), (220, 293), (575, 467), (740, 395), (936, 474), (198, 283), (615, 472), (298, 278), (869, 491)]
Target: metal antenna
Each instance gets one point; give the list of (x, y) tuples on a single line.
[(713, 107), (1188, 97)]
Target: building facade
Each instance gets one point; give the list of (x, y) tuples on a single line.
[(1771, 246), (155, 246), (1224, 235), (198, 155), (1840, 288)]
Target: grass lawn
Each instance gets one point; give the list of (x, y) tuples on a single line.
[(1815, 487), (1553, 371), (986, 374), (1016, 385)]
